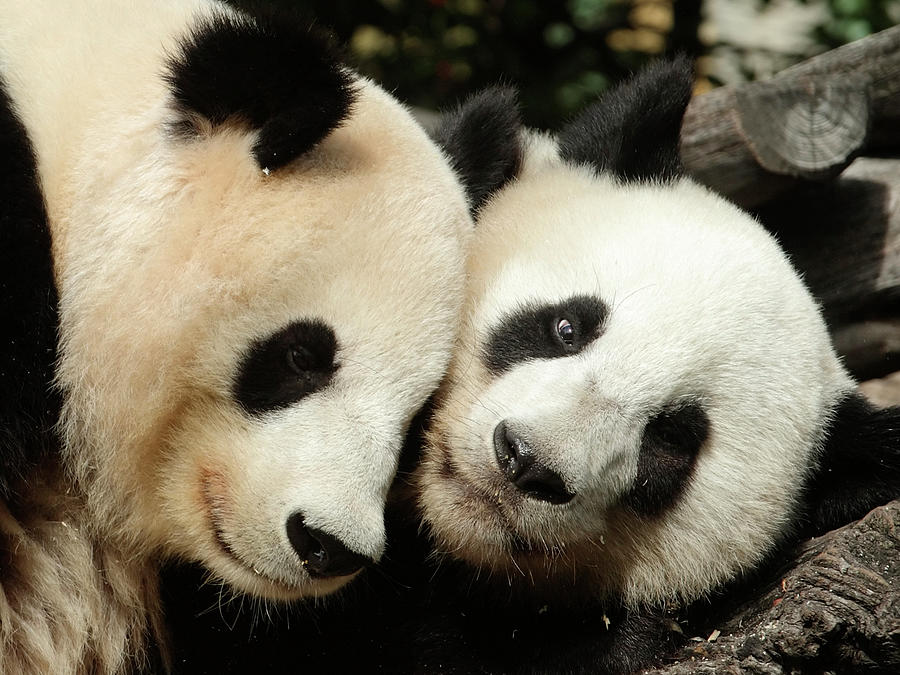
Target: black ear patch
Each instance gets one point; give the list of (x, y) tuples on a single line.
[(634, 130), (271, 71), (29, 404), (672, 439), (859, 466), (482, 139)]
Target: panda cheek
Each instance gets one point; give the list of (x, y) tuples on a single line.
[(669, 448)]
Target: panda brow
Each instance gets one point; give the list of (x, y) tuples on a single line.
[(528, 333)]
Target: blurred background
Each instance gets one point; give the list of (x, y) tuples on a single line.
[(562, 53)]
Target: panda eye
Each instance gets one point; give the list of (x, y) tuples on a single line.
[(543, 331), (299, 359), (566, 332), (289, 364)]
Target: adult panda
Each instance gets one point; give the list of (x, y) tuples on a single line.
[(644, 403), (230, 272)]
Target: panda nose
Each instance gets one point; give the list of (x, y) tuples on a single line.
[(517, 460), (322, 554)]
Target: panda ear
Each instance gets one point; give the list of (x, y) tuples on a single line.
[(481, 138), (859, 465), (633, 131), (270, 71)]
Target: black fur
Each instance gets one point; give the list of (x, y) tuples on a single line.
[(482, 139), (530, 332), (412, 616), (289, 365), (633, 131), (483, 632), (272, 72), (29, 404), (672, 439), (859, 466)]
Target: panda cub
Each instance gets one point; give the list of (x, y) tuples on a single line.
[(230, 274), (645, 401)]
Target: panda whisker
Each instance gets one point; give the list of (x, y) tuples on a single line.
[(476, 398), (617, 305), (464, 421), (574, 571), (221, 605), (366, 366), (512, 559), (473, 354)]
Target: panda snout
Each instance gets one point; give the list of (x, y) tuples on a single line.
[(322, 554), (519, 463)]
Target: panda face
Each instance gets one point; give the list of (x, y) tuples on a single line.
[(259, 258), (268, 350), (298, 394), (638, 392)]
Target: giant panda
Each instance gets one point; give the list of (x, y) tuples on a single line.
[(644, 404), (230, 274)]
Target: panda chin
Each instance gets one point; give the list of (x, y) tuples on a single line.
[(242, 574), (244, 577), (479, 525), (253, 582)]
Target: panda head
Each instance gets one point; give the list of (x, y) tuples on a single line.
[(643, 385), (260, 294)]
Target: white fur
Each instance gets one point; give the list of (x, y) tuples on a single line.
[(703, 304), (172, 255)]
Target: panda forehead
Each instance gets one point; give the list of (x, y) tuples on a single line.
[(354, 152), (658, 253), (569, 221), (549, 236), (331, 206)]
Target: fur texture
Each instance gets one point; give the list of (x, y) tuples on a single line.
[(670, 336), (702, 421), (280, 77), (652, 349), (177, 258), (480, 139)]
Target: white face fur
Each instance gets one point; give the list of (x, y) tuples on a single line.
[(179, 259), (692, 338)]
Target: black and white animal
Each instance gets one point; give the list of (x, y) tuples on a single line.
[(645, 401), (230, 274)]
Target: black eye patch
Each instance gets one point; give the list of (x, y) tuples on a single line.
[(290, 364), (669, 447), (544, 332)]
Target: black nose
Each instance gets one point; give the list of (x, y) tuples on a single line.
[(322, 554), (518, 462)]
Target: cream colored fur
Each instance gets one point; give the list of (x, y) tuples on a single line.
[(703, 304), (68, 602), (171, 256)]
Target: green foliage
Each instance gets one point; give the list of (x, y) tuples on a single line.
[(854, 19), (559, 53), (432, 53)]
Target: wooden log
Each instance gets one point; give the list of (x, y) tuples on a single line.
[(836, 608), (756, 141), (806, 127), (875, 60), (844, 237)]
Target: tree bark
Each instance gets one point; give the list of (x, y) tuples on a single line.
[(836, 609)]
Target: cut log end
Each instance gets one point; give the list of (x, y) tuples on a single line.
[(805, 128)]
